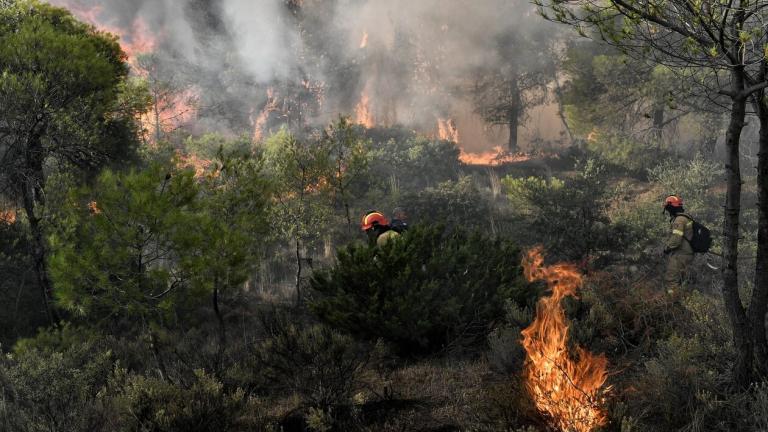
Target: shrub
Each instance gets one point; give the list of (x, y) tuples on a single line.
[(427, 290), (569, 216), (506, 354), (44, 390), (316, 363), (203, 406), (692, 180), (453, 203), (625, 153)]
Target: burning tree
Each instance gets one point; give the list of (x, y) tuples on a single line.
[(568, 391)]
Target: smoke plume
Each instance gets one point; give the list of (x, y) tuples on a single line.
[(262, 63)]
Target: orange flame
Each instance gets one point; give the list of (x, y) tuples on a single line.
[(496, 156), (173, 111), (195, 162), (568, 391), (447, 130), (8, 217), (93, 207), (364, 41), (137, 40), (259, 122), (593, 135), (363, 112)]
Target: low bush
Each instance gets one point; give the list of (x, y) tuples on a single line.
[(319, 365), (45, 390), (431, 289), (203, 405)]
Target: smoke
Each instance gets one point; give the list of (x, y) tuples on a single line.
[(416, 65), (262, 37)]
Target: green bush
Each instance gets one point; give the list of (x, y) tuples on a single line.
[(452, 203), (319, 365), (569, 216), (202, 406), (45, 390), (430, 289), (506, 354), (693, 180), (626, 154)]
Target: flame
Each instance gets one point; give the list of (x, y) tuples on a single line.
[(496, 156), (593, 135), (568, 391), (364, 41), (138, 40), (260, 121), (195, 162), (8, 217), (93, 207), (447, 130), (175, 109), (363, 113)]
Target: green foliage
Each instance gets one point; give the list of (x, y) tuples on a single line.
[(625, 153), (141, 243), (506, 354), (203, 405), (22, 313), (44, 390), (60, 93), (319, 365), (212, 145), (570, 216), (409, 165), (116, 257), (300, 171), (692, 180), (430, 289), (452, 203)]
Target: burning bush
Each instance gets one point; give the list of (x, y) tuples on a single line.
[(431, 289)]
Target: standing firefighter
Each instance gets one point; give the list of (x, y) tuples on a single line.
[(678, 247), (376, 226)]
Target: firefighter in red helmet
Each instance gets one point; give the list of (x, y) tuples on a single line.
[(678, 246), (376, 226)]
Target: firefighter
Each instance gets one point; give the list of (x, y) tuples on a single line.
[(376, 226), (678, 246)]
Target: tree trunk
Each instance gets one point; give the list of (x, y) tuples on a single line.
[(222, 327), (513, 126), (742, 339), (31, 195), (561, 110), (758, 305), (298, 272), (38, 252), (658, 122)]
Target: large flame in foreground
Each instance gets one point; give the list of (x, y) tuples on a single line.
[(568, 391)]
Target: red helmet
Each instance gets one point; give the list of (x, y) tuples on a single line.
[(373, 218), (673, 201)]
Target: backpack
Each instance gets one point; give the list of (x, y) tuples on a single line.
[(702, 237)]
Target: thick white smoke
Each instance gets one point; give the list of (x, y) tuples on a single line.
[(263, 37), (417, 64)]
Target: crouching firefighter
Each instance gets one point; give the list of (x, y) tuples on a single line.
[(376, 226), (678, 246)]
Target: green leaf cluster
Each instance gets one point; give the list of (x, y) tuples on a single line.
[(429, 289)]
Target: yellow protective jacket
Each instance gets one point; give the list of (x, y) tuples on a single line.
[(386, 237), (681, 233)]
